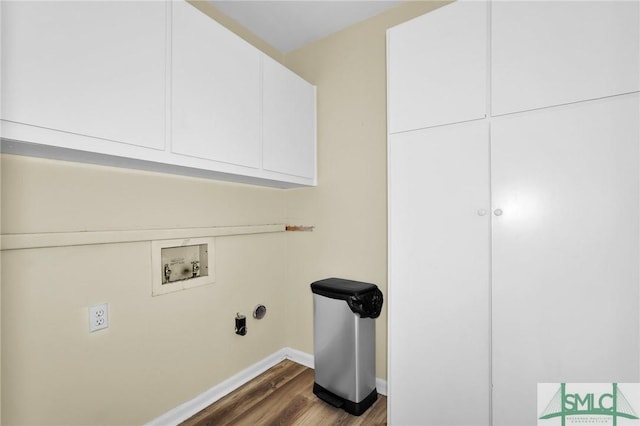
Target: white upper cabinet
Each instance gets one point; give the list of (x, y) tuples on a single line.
[(93, 68), (552, 53), (155, 85), (215, 89), (437, 67), (289, 122)]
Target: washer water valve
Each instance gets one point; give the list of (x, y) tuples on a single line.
[(241, 324)]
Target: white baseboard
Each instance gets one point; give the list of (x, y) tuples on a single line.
[(381, 386), (300, 357), (208, 397), (307, 360)]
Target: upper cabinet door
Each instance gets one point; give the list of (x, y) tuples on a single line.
[(552, 53), (289, 124), (437, 67), (215, 91), (90, 68)]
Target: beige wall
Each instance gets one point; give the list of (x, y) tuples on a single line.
[(158, 351), (349, 206), (161, 351)]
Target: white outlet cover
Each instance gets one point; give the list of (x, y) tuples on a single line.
[(98, 317)]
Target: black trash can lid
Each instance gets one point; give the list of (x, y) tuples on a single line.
[(363, 299), (339, 288)]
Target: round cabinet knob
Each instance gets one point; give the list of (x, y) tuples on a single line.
[(482, 212), (497, 212)]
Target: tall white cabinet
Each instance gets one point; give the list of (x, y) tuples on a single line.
[(514, 232)]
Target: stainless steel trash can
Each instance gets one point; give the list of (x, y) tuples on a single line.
[(344, 342)]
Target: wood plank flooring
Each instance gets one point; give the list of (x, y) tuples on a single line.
[(283, 395)]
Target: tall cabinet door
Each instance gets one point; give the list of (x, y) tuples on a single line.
[(439, 276), (565, 250)]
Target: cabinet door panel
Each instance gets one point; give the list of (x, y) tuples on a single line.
[(289, 122), (439, 276), (551, 53), (90, 68), (565, 251), (437, 67), (215, 91)]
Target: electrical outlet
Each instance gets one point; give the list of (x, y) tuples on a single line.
[(98, 317)]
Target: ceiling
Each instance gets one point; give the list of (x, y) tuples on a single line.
[(289, 24)]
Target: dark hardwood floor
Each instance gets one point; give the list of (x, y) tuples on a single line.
[(283, 395)]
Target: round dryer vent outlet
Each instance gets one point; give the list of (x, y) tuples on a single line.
[(259, 311)]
